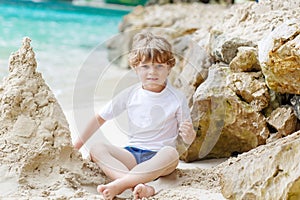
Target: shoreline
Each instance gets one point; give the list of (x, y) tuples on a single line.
[(101, 4)]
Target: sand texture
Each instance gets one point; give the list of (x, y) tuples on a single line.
[(37, 157)]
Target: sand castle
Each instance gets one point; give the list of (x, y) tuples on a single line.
[(37, 157)]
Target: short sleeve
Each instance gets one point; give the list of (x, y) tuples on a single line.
[(115, 106)]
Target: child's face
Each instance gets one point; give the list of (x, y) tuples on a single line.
[(153, 75)]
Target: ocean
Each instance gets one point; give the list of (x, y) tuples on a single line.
[(63, 38)]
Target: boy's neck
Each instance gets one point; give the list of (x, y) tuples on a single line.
[(157, 89)]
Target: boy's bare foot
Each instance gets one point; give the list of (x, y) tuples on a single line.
[(143, 191), (109, 191)]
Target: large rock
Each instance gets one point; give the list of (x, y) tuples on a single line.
[(247, 24), (194, 72), (279, 56), (227, 120), (36, 154), (268, 172), (223, 47), (252, 21)]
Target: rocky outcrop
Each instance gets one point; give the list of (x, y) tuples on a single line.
[(279, 55), (35, 140), (195, 71), (231, 39), (267, 172), (225, 110)]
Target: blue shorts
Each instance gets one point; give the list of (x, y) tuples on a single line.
[(140, 155)]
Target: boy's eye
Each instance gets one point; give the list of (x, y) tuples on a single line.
[(159, 66), (145, 66)]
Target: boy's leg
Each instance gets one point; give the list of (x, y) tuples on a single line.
[(114, 161), (162, 164)]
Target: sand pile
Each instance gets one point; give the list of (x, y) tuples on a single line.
[(36, 155)]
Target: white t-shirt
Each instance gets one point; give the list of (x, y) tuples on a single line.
[(153, 118)]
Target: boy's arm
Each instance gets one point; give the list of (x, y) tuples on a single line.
[(95, 123), (187, 132)]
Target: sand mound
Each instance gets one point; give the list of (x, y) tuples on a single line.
[(36, 154)]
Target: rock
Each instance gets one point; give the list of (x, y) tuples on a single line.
[(224, 48), (248, 23), (246, 60), (252, 21), (118, 48), (295, 101), (283, 120), (279, 56), (273, 137), (268, 172), (180, 47), (37, 155), (194, 72), (226, 123), (251, 88)]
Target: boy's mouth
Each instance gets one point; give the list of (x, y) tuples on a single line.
[(152, 79)]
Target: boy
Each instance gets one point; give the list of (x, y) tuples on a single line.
[(157, 115)]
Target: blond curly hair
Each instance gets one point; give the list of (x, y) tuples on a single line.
[(147, 47)]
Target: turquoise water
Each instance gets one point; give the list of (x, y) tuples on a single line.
[(62, 36)]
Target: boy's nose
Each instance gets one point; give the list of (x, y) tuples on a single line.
[(152, 69)]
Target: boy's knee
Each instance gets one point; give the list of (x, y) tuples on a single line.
[(170, 151)]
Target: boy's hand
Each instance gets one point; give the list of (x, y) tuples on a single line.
[(187, 132)]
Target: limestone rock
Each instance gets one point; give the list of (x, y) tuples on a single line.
[(268, 172), (223, 47), (273, 137), (246, 60), (283, 120), (248, 23), (36, 153), (118, 48), (279, 56), (194, 72), (252, 21), (226, 123), (251, 88)]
